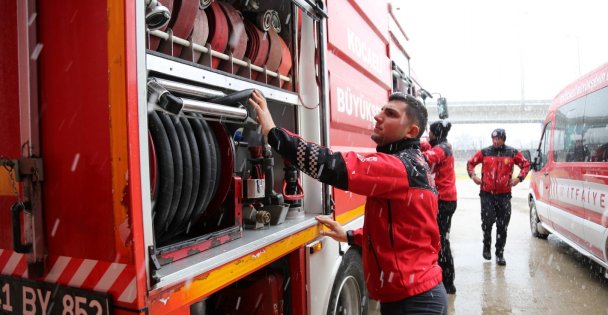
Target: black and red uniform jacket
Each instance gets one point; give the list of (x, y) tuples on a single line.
[(400, 238), (441, 162), (497, 168)]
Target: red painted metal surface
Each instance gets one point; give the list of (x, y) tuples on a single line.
[(9, 115), (398, 43), (354, 102), (135, 241), (375, 14), (75, 128), (259, 294), (587, 84), (351, 38), (345, 200), (297, 266)]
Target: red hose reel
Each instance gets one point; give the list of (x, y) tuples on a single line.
[(223, 28)]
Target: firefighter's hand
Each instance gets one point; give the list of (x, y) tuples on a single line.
[(264, 118), (336, 231), (515, 181), (476, 179)]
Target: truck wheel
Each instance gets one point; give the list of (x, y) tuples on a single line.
[(535, 222), (349, 294)]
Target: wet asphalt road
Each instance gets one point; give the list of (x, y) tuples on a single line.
[(541, 276)]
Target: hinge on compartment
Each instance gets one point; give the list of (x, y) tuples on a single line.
[(30, 167), (154, 265), (25, 167)]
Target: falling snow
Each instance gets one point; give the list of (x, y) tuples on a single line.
[(55, 226), (36, 52)]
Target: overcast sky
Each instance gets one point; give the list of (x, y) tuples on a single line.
[(480, 50)]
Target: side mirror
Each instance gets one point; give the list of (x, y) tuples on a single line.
[(527, 155), (442, 108)]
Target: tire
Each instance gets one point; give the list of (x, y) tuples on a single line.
[(349, 293), (534, 221)]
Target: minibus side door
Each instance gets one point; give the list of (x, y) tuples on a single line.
[(596, 172), (540, 181), (566, 209)]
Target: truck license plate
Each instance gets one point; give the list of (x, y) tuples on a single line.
[(23, 296)]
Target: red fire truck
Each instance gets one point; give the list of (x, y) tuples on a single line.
[(133, 179)]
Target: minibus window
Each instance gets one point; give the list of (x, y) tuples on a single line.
[(596, 125), (568, 136)]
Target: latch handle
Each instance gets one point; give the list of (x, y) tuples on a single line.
[(16, 209)]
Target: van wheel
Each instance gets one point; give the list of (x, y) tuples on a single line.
[(349, 294), (534, 223)]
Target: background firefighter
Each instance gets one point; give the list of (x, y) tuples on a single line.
[(495, 193), (438, 153)]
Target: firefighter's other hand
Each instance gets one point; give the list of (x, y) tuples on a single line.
[(476, 179), (336, 231), (264, 118), (515, 181)]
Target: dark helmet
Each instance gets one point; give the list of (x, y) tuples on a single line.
[(499, 133), (440, 128)]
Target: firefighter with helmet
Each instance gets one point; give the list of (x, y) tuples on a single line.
[(495, 192)]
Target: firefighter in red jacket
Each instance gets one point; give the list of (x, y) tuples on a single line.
[(400, 238), (495, 194), (438, 153)]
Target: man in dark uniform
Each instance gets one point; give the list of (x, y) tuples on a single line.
[(496, 182)]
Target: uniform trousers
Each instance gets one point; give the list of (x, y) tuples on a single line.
[(495, 209)]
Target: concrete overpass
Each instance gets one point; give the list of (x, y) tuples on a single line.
[(505, 111), (473, 121)]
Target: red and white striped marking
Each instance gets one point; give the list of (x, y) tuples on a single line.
[(102, 276), (12, 264)]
